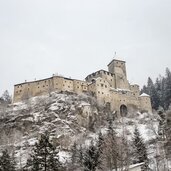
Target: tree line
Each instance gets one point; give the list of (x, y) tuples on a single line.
[(160, 90), (107, 152)]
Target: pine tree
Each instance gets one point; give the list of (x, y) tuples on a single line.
[(140, 149), (6, 97), (168, 89), (100, 148), (112, 146), (44, 157), (90, 158), (7, 163)]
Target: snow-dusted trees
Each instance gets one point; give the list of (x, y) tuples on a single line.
[(7, 163), (160, 91), (140, 153), (44, 156), (6, 98), (91, 158)]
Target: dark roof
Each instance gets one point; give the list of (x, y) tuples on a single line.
[(115, 60), (99, 71)]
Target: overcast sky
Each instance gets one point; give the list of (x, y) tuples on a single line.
[(77, 37)]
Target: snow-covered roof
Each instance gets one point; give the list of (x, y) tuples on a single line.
[(135, 165), (132, 166), (144, 95)]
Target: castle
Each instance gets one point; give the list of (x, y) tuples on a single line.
[(109, 87)]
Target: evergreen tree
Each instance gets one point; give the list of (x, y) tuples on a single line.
[(168, 89), (7, 163), (100, 147), (6, 97), (111, 145), (44, 157), (140, 149), (90, 158)]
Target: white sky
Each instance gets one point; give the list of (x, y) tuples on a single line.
[(77, 37)]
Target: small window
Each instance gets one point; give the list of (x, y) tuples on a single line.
[(38, 87), (101, 85), (68, 86), (20, 90), (102, 93), (78, 87), (43, 86), (99, 92), (16, 91), (105, 86)]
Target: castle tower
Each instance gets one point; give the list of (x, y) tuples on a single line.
[(118, 68)]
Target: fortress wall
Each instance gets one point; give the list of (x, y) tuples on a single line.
[(110, 78), (94, 75), (122, 82), (68, 85), (145, 103), (42, 87), (58, 83), (135, 89), (20, 91), (103, 91), (80, 86)]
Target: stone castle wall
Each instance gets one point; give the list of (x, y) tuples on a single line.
[(109, 87)]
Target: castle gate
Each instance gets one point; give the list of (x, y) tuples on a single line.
[(123, 110)]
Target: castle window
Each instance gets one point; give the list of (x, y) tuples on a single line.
[(56, 83), (43, 86), (101, 85), (108, 73), (45, 81), (47, 85), (99, 92), (38, 87), (106, 86), (78, 87), (102, 93), (16, 91), (68, 86), (20, 90)]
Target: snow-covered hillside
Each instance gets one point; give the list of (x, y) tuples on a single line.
[(69, 118)]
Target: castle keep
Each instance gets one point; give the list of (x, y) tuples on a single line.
[(109, 87)]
